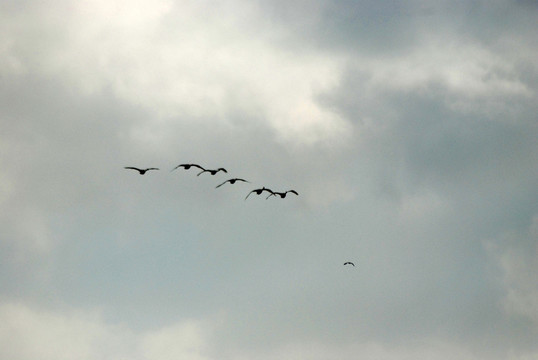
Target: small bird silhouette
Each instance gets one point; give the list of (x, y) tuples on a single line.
[(259, 191), (141, 171), (282, 194), (187, 166), (212, 172), (231, 181), (349, 263)]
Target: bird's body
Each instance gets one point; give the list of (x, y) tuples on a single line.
[(282, 194), (212, 172), (349, 263), (141, 171), (188, 166), (259, 191), (231, 181)]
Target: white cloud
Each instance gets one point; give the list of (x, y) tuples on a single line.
[(187, 60), (517, 256), (428, 349), (28, 333), (474, 78), (182, 341)]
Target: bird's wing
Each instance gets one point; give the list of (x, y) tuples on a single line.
[(133, 168), (223, 169), (293, 191), (221, 184), (250, 193), (180, 165), (272, 194), (198, 166), (152, 169), (201, 172)]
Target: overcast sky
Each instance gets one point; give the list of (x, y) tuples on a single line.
[(408, 128)]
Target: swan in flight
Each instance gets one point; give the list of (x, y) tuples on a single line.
[(212, 172), (282, 194), (141, 171), (187, 166), (231, 181), (259, 191)]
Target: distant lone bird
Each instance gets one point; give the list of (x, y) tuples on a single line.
[(212, 172), (141, 171), (282, 194), (259, 191), (231, 181), (349, 263), (187, 166)]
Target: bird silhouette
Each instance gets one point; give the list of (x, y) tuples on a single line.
[(259, 191), (141, 171), (282, 194), (349, 263), (187, 166), (212, 172), (231, 181)]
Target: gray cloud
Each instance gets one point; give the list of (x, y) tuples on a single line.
[(408, 131)]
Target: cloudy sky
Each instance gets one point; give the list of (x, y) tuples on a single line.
[(408, 128)]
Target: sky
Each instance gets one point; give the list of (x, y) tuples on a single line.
[(408, 128)]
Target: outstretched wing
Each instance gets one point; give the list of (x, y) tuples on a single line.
[(188, 166), (133, 168), (293, 192), (152, 169), (231, 181), (251, 193), (222, 184), (349, 263)]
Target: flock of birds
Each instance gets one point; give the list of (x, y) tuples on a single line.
[(231, 181)]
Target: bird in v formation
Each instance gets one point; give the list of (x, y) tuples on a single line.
[(141, 171), (231, 181), (188, 166), (212, 172), (259, 191), (281, 194)]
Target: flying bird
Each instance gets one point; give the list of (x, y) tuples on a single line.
[(282, 194), (259, 191), (212, 172), (231, 181), (349, 263), (141, 171), (187, 166)]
